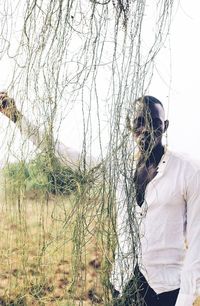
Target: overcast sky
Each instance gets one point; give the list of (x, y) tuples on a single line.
[(176, 83)]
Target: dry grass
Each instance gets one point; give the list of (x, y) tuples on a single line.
[(197, 302), (36, 255)]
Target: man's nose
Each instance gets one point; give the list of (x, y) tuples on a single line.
[(145, 131)]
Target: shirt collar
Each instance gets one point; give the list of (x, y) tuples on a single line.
[(163, 162)]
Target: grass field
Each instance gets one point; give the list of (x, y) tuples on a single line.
[(42, 261), (38, 262)]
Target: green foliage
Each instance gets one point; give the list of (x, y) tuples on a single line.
[(45, 174)]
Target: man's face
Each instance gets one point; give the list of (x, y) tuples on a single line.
[(148, 125)]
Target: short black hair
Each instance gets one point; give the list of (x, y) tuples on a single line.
[(149, 99)]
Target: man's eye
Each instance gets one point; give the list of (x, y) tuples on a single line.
[(138, 122)]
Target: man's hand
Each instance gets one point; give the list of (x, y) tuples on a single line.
[(8, 107)]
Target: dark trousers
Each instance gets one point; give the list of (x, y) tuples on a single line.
[(138, 293)]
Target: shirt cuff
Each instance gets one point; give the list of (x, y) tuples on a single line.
[(185, 300)]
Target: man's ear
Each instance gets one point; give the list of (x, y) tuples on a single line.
[(166, 123)]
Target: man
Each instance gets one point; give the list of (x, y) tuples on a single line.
[(167, 207), (167, 197)]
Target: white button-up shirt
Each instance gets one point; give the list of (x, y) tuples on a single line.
[(167, 221)]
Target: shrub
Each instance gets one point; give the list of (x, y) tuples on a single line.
[(44, 173)]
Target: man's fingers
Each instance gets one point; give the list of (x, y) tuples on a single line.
[(3, 99), (3, 94), (8, 107), (6, 103)]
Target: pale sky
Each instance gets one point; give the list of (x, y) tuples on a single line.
[(178, 81), (175, 83)]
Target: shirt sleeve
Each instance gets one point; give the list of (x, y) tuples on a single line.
[(65, 154), (185, 300), (190, 276)]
